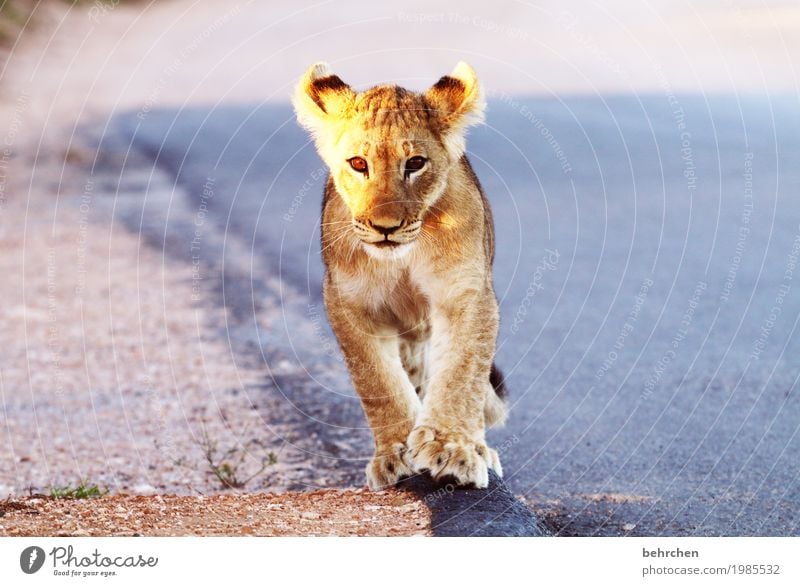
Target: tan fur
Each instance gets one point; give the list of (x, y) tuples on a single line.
[(408, 286)]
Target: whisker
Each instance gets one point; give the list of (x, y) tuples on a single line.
[(334, 234), (342, 234), (353, 247), (338, 230)]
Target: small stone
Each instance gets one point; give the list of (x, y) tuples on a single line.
[(628, 527), (310, 515)]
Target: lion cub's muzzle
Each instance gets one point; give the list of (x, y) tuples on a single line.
[(387, 232)]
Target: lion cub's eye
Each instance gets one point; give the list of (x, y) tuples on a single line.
[(415, 164), (358, 164)]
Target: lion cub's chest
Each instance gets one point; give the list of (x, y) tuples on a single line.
[(392, 295)]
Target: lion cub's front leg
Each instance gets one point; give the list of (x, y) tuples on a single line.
[(387, 395), (449, 437)]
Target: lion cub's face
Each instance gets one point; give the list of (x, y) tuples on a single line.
[(389, 150)]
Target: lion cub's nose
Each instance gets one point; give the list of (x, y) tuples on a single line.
[(385, 226)]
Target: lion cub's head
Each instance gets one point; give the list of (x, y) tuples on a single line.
[(389, 150)]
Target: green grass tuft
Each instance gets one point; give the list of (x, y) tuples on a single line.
[(82, 491)]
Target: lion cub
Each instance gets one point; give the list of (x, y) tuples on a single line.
[(408, 242)]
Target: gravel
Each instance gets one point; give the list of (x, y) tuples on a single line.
[(356, 512)]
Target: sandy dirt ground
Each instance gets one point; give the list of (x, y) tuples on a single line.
[(113, 373), (321, 513)]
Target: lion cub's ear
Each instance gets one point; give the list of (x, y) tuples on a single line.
[(321, 98), (458, 101)]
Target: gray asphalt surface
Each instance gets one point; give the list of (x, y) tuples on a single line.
[(645, 270)]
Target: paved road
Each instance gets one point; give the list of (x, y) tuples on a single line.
[(649, 295)]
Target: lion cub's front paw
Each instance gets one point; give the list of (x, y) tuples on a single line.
[(387, 467), (452, 454)]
